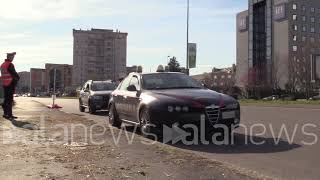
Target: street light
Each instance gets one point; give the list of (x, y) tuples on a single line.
[(187, 59)]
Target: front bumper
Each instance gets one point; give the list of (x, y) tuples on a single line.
[(223, 117), (100, 104)]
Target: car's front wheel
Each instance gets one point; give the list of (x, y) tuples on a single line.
[(114, 119), (81, 108), (148, 129), (92, 109)]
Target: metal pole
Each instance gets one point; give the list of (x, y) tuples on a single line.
[(114, 59), (187, 66), (114, 55), (30, 83), (54, 85)]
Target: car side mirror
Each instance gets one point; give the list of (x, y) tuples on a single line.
[(235, 96), (132, 88)]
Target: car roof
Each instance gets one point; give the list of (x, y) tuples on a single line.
[(97, 82), (135, 73)]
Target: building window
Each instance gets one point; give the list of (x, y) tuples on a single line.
[(304, 69), (304, 18), (304, 29), (294, 38), (313, 9), (215, 77), (295, 27), (312, 39), (313, 19), (221, 84), (294, 6), (229, 76), (312, 29), (303, 8), (294, 17), (295, 48), (223, 76), (303, 38)]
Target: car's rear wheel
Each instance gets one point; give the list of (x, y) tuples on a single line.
[(114, 119), (81, 108)]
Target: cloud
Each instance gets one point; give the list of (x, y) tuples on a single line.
[(44, 49), (42, 10), (39, 10), (10, 36)]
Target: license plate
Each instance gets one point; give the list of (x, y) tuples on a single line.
[(229, 115)]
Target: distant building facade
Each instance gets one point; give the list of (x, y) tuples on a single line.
[(278, 44), (24, 82), (131, 69), (61, 73), (221, 79), (224, 78), (98, 54), (38, 80)]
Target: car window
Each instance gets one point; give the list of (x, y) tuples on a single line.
[(103, 87), (134, 81), (125, 83), (169, 81), (88, 87)]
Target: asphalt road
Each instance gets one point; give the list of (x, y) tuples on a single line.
[(71, 106), (292, 158)]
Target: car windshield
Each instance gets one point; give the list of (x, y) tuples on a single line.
[(103, 87), (169, 81)]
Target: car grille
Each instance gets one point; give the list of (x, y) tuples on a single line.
[(213, 114), (106, 98)]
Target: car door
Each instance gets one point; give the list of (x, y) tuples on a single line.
[(133, 99), (82, 94), (120, 98), (86, 94)]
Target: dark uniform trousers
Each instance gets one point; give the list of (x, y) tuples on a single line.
[(8, 99)]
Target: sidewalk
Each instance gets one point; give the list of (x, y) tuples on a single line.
[(303, 106), (49, 144)]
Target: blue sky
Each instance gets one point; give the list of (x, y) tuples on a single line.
[(40, 31)]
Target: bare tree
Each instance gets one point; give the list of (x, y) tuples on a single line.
[(208, 80)]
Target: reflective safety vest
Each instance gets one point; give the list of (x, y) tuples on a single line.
[(5, 75)]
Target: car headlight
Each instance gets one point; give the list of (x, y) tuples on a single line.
[(232, 106), (185, 109), (96, 97), (170, 108), (178, 108)]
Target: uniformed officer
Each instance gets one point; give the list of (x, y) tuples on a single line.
[(10, 79)]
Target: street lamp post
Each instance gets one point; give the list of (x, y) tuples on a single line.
[(187, 59)]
